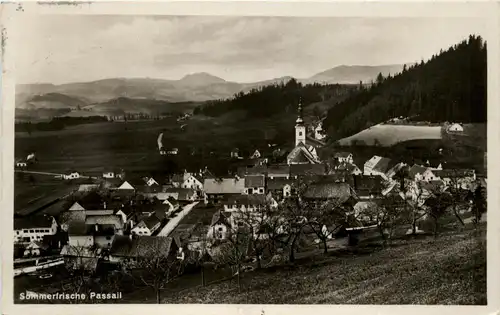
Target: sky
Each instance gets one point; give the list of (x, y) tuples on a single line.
[(62, 49)]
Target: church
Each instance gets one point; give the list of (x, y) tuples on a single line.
[(303, 153)]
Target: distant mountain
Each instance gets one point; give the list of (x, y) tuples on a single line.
[(51, 101), (354, 74), (200, 79)]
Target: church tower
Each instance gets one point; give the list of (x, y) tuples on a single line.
[(300, 128)]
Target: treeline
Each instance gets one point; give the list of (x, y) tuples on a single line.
[(451, 86), (271, 99), (57, 123)]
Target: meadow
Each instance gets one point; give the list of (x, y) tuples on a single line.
[(388, 135)]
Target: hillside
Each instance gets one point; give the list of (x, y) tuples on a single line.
[(451, 86), (194, 87), (354, 74), (51, 101)]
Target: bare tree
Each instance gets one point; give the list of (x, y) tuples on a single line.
[(437, 206), (155, 263)]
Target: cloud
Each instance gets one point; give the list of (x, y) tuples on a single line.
[(79, 48)]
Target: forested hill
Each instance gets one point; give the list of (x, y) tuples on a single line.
[(276, 98), (451, 86)]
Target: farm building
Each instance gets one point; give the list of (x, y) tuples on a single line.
[(34, 228), (254, 184), (456, 127), (377, 165), (72, 175)]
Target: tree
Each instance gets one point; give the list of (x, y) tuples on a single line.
[(156, 264), (437, 206), (380, 78), (479, 204), (294, 211)]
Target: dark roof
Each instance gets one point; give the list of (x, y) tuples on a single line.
[(278, 183), (254, 170), (278, 170), (371, 185), (219, 217), (329, 190), (78, 228), (416, 169), (37, 221), (224, 185), (151, 221), (434, 185), (307, 169), (342, 154), (142, 246), (254, 181), (252, 200), (92, 201), (183, 193)]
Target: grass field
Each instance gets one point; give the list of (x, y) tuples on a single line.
[(449, 270), (387, 135)]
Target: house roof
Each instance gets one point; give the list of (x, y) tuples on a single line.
[(247, 200), (224, 185), (432, 185), (182, 193), (274, 170), (382, 165), (368, 185), (219, 218), (278, 183), (151, 221), (254, 170), (91, 201), (393, 170), (342, 154), (78, 228), (37, 221), (103, 220), (254, 181), (307, 169), (142, 246), (416, 169), (329, 190)]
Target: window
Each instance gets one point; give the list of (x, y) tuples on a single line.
[(17, 232), (261, 190), (32, 231), (25, 231), (300, 133), (220, 229)]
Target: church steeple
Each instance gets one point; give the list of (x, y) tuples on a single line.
[(300, 129)]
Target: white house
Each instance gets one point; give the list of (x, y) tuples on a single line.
[(248, 203), (150, 181), (255, 155), (318, 131), (344, 157), (35, 248), (72, 175), (21, 164), (455, 127), (192, 182), (34, 228), (220, 227), (147, 226), (108, 174), (171, 203)]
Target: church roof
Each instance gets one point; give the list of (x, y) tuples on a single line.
[(301, 154)]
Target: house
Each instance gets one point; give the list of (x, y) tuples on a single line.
[(35, 248), (350, 168), (340, 193), (71, 175), (217, 189), (249, 203), (235, 153), (368, 187), (343, 157), (113, 174), (458, 177), (21, 164), (220, 227), (95, 230), (377, 165), (147, 226), (128, 216), (255, 184), (33, 228), (278, 171), (126, 186), (150, 181), (300, 170), (130, 249), (78, 257), (279, 187), (242, 171), (395, 169), (416, 172), (192, 182), (172, 151), (455, 127), (182, 194), (256, 154), (171, 203), (318, 131)]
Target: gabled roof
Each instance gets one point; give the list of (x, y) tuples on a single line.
[(103, 220), (142, 246), (307, 169), (416, 169), (126, 186), (301, 154), (37, 221), (382, 165), (254, 181), (368, 185), (91, 201), (219, 218), (224, 185), (151, 221)]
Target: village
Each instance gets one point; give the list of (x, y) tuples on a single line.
[(117, 220)]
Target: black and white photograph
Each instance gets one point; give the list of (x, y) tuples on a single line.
[(249, 159)]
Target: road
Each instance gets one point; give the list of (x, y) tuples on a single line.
[(172, 224)]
